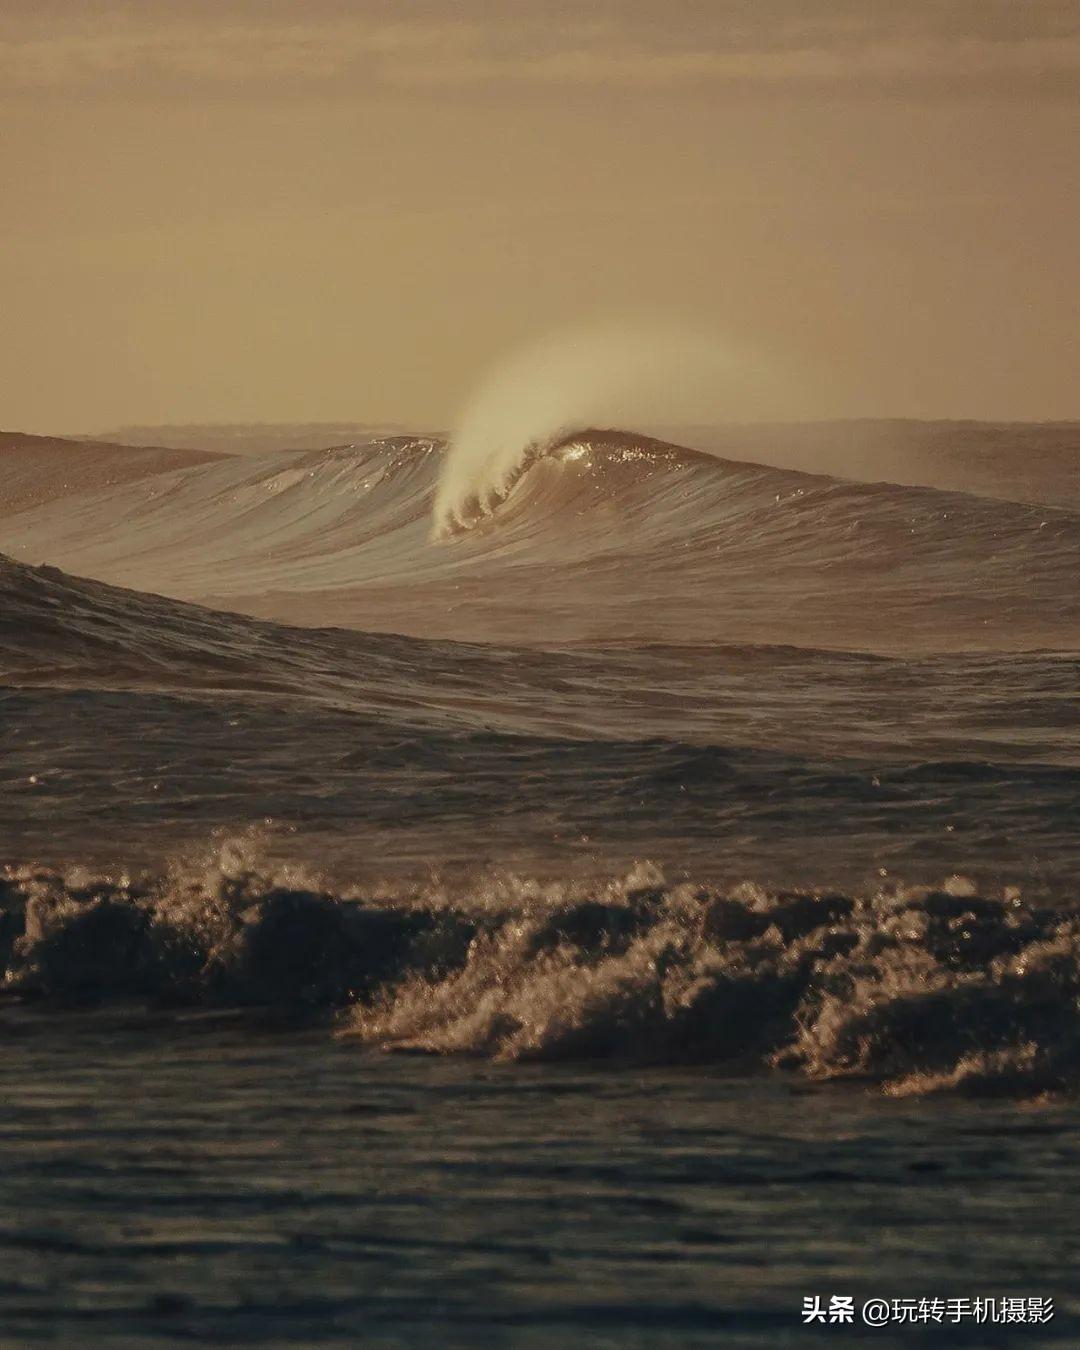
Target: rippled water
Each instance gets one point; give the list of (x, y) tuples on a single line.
[(165, 1182)]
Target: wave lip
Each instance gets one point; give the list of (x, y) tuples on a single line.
[(461, 502), (915, 991)]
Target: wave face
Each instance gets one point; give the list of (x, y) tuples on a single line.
[(626, 658), (600, 538)]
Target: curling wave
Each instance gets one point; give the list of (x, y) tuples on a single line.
[(599, 537)]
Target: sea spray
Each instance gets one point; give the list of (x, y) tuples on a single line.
[(616, 374)]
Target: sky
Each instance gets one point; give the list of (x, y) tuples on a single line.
[(307, 210)]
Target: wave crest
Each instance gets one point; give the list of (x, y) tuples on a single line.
[(608, 536), (613, 374), (605, 451)]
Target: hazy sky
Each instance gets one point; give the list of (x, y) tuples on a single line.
[(307, 210)]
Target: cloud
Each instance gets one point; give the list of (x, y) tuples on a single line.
[(962, 61), (773, 44)]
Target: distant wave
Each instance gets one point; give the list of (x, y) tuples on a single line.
[(37, 470), (915, 990), (607, 537)]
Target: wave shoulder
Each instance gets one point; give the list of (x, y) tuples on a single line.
[(40, 469)]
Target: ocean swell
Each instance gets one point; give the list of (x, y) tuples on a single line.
[(597, 537)]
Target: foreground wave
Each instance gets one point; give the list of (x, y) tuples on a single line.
[(915, 990)]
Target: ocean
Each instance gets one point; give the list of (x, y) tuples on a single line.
[(603, 895)]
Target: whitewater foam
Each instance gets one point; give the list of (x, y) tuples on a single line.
[(914, 989)]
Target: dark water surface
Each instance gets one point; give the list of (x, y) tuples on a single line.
[(162, 1182)]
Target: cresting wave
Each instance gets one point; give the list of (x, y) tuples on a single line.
[(912, 989), (604, 452), (611, 537), (537, 399)]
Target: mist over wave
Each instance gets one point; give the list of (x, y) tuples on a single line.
[(600, 376)]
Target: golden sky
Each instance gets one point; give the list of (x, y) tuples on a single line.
[(313, 210)]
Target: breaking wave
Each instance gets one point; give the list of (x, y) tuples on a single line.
[(613, 537), (915, 990), (535, 400)]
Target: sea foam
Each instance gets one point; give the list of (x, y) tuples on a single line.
[(912, 990)]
